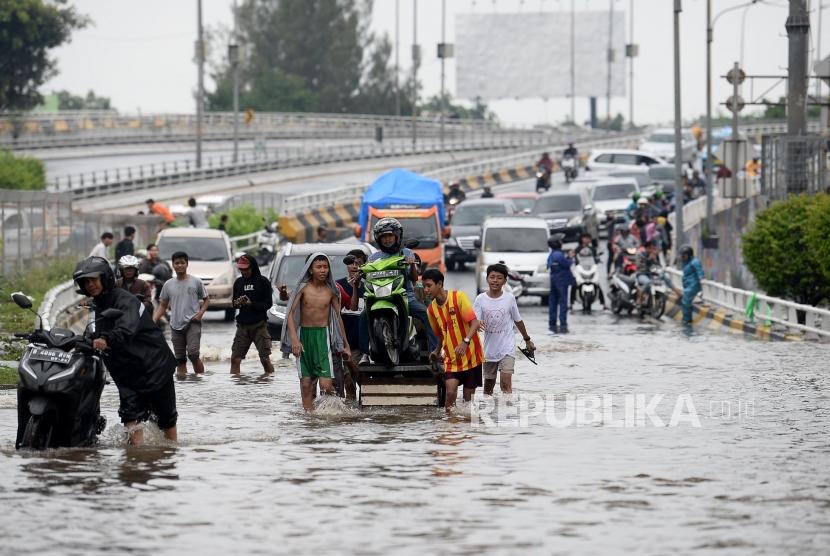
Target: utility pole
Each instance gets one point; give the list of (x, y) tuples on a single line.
[(233, 57), (798, 29), (818, 51), (678, 151), (443, 54), (397, 57), (610, 61), (573, 63), (631, 55), (708, 170), (200, 87), (416, 55)]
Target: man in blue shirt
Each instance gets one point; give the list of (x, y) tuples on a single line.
[(692, 276), (561, 278), (388, 236)]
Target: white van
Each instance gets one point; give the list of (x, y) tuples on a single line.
[(521, 242)]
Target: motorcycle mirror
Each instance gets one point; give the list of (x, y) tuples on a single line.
[(22, 300), (412, 243), (111, 314)]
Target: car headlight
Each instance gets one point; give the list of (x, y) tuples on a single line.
[(575, 221), (224, 279), (542, 268)]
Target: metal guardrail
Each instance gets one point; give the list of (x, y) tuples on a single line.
[(56, 304), (142, 177), (767, 309)]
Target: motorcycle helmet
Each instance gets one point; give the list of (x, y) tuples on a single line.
[(554, 243), (128, 261), (686, 251), (388, 226), (635, 196), (94, 266)]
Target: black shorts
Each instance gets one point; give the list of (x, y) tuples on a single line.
[(471, 378), (137, 406)]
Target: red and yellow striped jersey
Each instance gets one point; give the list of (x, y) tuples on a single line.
[(451, 321)]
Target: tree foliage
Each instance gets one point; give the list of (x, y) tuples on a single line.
[(244, 219), (68, 101), (479, 110), (22, 172), (781, 249), (817, 232), (28, 30)]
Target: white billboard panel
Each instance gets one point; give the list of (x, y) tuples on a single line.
[(527, 55)]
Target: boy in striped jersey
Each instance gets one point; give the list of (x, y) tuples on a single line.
[(454, 322)]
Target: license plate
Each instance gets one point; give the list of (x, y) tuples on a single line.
[(50, 355), (382, 274)]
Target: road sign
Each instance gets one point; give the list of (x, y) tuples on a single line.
[(736, 73), (446, 50), (735, 103)]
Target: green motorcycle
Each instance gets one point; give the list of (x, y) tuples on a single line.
[(393, 336)]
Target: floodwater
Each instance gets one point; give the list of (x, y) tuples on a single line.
[(254, 475)]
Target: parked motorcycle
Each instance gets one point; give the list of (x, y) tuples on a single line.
[(586, 274), (542, 179), (570, 168), (61, 379)]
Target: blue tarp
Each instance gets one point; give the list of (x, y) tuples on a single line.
[(401, 188)]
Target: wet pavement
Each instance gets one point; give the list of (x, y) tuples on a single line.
[(253, 474)]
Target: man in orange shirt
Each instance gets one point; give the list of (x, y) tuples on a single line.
[(157, 208), (454, 322)]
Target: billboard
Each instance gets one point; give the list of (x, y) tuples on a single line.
[(528, 55)]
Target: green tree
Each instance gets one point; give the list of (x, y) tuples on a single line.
[(28, 30), (22, 172), (244, 219), (817, 232), (68, 101), (479, 110), (780, 256)]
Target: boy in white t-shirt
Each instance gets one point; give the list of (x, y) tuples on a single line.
[(498, 313)]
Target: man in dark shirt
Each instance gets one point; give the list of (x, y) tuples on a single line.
[(252, 294), (125, 246), (353, 285)]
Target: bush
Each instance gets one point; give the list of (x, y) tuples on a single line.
[(22, 172), (781, 251), (243, 220), (817, 232)]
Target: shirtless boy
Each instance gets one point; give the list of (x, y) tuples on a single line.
[(318, 302)]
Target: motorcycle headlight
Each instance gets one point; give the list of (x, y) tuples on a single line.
[(383, 291)]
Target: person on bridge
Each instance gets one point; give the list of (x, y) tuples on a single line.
[(125, 246), (571, 152), (453, 321), (546, 162), (252, 294), (561, 278), (100, 250), (154, 207), (692, 276), (196, 214), (134, 351), (455, 192)]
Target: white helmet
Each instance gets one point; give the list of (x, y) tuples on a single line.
[(128, 261)]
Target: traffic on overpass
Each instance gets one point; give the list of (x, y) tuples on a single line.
[(359, 302)]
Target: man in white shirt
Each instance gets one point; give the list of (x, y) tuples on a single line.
[(100, 250), (498, 313), (197, 214)]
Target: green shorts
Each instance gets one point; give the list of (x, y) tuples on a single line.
[(315, 361)]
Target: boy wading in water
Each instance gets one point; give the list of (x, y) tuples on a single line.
[(315, 329), (498, 312)]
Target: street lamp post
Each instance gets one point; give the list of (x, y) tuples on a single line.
[(200, 86), (443, 54), (233, 57), (415, 59), (573, 63), (678, 151), (397, 58), (610, 57)]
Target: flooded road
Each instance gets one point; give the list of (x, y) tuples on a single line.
[(254, 475)]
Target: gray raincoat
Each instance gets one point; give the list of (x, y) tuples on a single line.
[(294, 309)]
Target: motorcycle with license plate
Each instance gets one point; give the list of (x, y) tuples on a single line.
[(61, 380)]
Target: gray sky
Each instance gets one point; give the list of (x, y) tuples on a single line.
[(141, 53)]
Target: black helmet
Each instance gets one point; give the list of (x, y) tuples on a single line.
[(554, 243), (388, 226), (94, 266), (686, 250)]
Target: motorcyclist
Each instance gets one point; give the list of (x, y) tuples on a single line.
[(388, 235), (487, 192), (134, 351), (646, 258), (571, 151), (132, 283), (631, 209), (156, 266), (455, 192), (625, 241), (586, 250), (546, 162)]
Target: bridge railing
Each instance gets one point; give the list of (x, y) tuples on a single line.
[(765, 308)]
